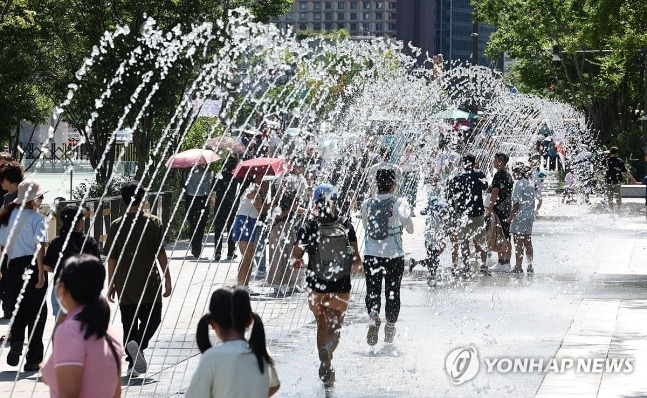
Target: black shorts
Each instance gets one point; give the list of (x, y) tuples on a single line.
[(503, 216)]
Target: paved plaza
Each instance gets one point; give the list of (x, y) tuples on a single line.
[(587, 300)]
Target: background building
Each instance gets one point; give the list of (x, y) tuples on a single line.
[(435, 26)]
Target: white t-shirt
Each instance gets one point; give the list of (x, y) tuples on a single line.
[(246, 206), (231, 370), (392, 246), (524, 194), (32, 232)]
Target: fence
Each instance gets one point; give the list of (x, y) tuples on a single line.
[(103, 211), (57, 158)]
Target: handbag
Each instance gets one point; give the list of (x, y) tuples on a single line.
[(496, 240)]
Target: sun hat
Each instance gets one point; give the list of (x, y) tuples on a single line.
[(325, 190), (28, 190)]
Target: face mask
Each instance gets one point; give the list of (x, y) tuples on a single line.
[(60, 304)]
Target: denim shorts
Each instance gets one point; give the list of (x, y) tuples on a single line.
[(244, 229)]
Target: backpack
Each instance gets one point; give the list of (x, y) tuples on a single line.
[(332, 257), (379, 211)]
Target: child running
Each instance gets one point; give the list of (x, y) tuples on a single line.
[(331, 244)]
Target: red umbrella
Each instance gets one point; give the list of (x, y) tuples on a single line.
[(264, 166), (227, 143), (191, 157)]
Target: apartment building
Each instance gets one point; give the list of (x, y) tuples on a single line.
[(435, 26), (360, 18)]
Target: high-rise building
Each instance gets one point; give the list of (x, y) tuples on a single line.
[(435, 26), (360, 18)]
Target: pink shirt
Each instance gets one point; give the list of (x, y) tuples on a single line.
[(100, 373)]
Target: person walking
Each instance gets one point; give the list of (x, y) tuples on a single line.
[(384, 217), (235, 368), (501, 203), (226, 191), (11, 175), (465, 197), (134, 245), (410, 168), (244, 231), (196, 204), (86, 352), (23, 237), (71, 240), (613, 177), (522, 217), (327, 238)]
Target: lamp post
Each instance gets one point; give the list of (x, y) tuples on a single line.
[(644, 51), (475, 43)]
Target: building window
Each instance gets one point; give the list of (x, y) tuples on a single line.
[(378, 16), (366, 27), (303, 26), (366, 5), (353, 27), (353, 16), (328, 27), (316, 16), (328, 16), (341, 26), (353, 5), (316, 27), (393, 5), (316, 5), (378, 27), (329, 5), (288, 17), (393, 15), (303, 5), (303, 16), (366, 16), (378, 5), (340, 16), (392, 26), (340, 6)]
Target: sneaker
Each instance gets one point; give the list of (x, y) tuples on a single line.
[(456, 272), (260, 275), (485, 270), (431, 281), (232, 256), (517, 270), (389, 332), (13, 357), (530, 271), (373, 330), (31, 367), (466, 272), (327, 375), (140, 365), (131, 373), (250, 291), (501, 267), (281, 292), (196, 253)]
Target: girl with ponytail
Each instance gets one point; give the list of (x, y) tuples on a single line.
[(237, 367), (86, 353)]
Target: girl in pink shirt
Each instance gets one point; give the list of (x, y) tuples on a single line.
[(86, 353)]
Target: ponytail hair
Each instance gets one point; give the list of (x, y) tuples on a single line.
[(231, 309), (83, 276)]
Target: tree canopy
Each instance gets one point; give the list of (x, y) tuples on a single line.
[(53, 49), (587, 52)]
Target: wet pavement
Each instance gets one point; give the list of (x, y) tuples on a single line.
[(586, 302)]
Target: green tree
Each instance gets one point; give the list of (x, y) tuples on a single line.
[(73, 37), (608, 85)]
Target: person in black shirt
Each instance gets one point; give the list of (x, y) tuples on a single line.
[(465, 196), (501, 200), (328, 300), (613, 178), (73, 220)]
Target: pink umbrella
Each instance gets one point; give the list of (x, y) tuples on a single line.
[(264, 166), (191, 157)]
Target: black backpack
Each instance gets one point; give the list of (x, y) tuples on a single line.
[(332, 258)]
